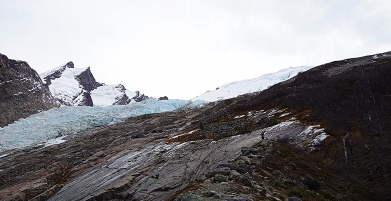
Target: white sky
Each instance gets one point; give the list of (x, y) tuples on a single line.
[(184, 48)]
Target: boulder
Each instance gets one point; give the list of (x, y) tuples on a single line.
[(244, 169), (244, 180), (249, 150), (220, 178), (311, 183), (234, 174)]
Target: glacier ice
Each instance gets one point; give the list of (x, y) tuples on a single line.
[(57, 122), (260, 83)]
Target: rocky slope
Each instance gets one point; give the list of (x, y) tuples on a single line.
[(78, 87), (22, 92), (321, 135)]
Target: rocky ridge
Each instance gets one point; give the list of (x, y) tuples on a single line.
[(22, 91)]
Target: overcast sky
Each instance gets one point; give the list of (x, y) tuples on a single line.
[(184, 48)]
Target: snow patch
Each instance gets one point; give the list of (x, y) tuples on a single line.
[(239, 116), (310, 130), (285, 114), (318, 139), (190, 132), (4, 155), (281, 125), (109, 94), (55, 141), (295, 132)]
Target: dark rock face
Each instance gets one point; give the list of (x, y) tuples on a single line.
[(86, 99), (163, 98), (139, 97), (311, 183), (87, 80), (123, 100), (22, 92)]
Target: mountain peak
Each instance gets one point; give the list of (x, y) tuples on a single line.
[(69, 65), (71, 85)]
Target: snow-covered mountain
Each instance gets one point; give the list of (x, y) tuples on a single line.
[(260, 83), (112, 95), (78, 87)]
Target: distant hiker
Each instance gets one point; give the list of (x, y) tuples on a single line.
[(201, 126), (263, 135)]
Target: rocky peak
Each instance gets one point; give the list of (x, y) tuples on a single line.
[(70, 85), (56, 73), (121, 87), (22, 91), (87, 80), (69, 65), (139, 97), (163, 98)]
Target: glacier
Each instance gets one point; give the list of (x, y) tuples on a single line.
[(57, 122), (260, 83)]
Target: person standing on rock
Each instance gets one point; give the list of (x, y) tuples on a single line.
[(263, 135)]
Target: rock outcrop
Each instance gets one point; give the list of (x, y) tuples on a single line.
[(139, 97), (22, 91), (87, 80), (163, 98)]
